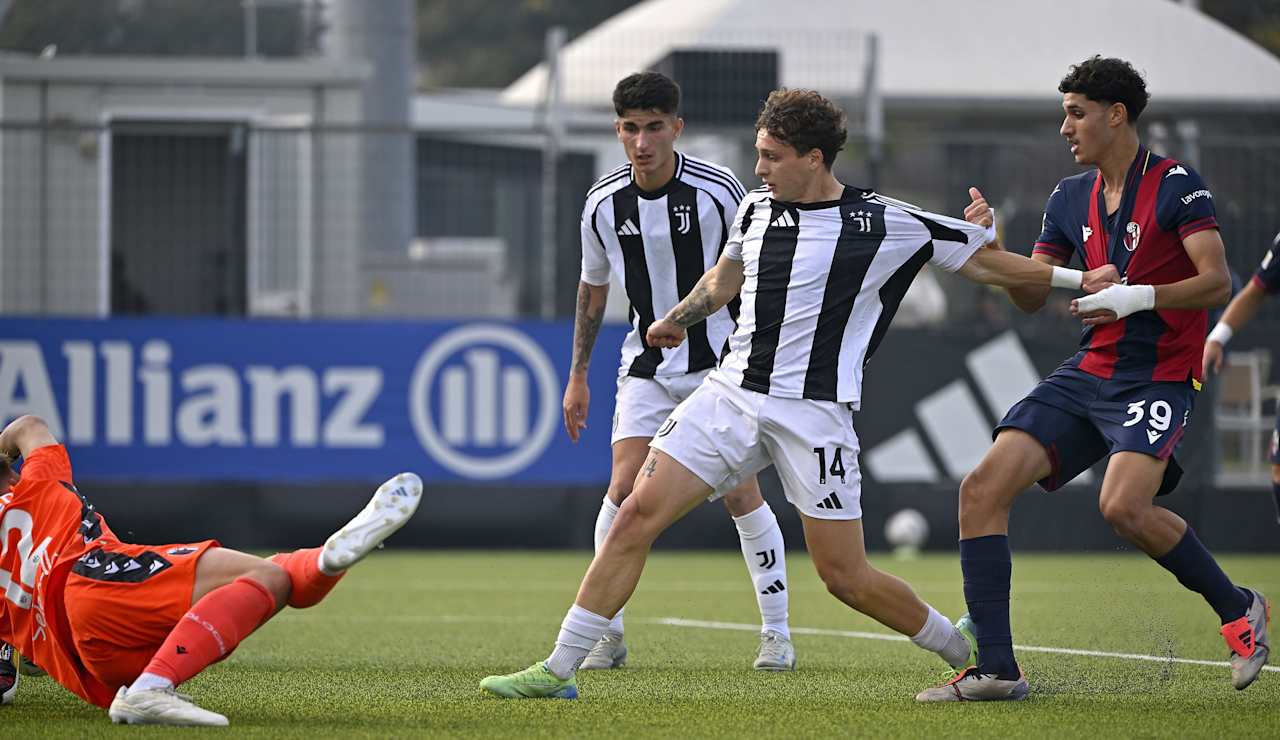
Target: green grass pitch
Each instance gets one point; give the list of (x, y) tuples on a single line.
[(399, 647)]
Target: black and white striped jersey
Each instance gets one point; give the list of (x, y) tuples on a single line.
[(822, 282), (659, 244)]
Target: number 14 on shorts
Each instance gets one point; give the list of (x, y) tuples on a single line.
[(837, 464)]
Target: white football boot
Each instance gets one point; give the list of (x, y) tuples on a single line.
[(970, 685), (161, 707), (608, 653), (390, 508), (776, 653)]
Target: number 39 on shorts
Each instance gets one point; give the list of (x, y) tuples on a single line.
[(1159, 415)]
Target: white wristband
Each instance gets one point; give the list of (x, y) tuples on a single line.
[(1221, 334), (1064, 277)]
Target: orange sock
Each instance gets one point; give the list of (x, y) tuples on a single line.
[(310, 586), (213, 628)]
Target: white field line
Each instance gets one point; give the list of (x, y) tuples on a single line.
[(699, 624), (289, 616)]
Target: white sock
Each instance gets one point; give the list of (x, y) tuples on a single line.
[(579, 632), (940, 636), (148, 682), (765, 552), (608, 510)]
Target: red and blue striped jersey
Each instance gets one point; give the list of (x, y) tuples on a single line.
[(1164, 202)]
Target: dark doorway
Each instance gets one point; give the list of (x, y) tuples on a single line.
[(178, 224)]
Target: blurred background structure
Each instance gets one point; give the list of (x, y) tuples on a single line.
[(257, 253)]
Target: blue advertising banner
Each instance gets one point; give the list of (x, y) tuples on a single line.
[(283, 401)]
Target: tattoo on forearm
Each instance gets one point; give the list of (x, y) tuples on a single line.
[(696, 306), (586, 325)]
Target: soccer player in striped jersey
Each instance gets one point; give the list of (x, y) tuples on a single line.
[(821, 269), (1241, 310), (1127, 394), (658, 222)]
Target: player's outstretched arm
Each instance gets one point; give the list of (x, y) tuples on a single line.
[(1007, 270), (1210, 287), (24, 435), (587, 318), (717, 287), (1028, 297), (1239, 312)]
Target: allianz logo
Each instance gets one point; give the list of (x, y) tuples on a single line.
[(953, 420), (200, 406), (482, 399)]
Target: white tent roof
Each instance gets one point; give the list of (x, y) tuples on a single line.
[(930, 50)]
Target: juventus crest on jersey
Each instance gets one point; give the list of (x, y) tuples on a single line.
[(823, 281), (659, 244)]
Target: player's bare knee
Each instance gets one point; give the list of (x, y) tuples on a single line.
[(979, 493), (619, 491), (1125, 518), (849, 585), (1275, 475), (741, 502), (276, 580), (633, 528)]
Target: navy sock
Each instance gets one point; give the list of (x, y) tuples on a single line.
[(987, 565), (1196, 569), (1275, 490)]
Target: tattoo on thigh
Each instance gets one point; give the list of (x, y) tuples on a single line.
[(650, 466)]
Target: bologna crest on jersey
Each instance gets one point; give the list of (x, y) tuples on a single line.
[(1132, 233)]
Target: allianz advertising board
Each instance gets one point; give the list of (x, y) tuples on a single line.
[(251, 400)]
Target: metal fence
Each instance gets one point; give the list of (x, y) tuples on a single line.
[(228, 218)]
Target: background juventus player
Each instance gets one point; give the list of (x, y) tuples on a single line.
[(659, 222), (821, 268)]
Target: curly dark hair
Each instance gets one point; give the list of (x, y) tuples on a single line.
[(646, 91), (1108, 80), (6, 464), (804, 120)]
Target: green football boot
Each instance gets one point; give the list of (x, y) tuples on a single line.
[(534, 682)]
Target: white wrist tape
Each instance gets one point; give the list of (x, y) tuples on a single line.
[(1064, 277), (1120, 299), (1221, 334)]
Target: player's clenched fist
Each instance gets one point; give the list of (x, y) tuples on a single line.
[(1100, 278), (665, 334)]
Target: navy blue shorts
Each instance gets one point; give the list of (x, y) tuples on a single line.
[(1081, 418)]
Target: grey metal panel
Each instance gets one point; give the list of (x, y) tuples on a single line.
[(186, 71)]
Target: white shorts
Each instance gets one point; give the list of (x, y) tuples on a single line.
[(723, 433), (642, 404)]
